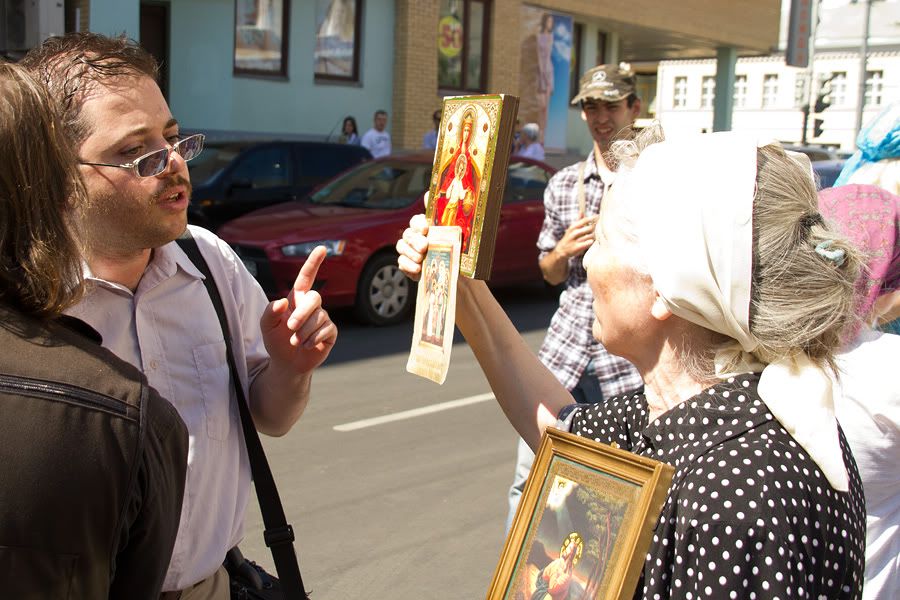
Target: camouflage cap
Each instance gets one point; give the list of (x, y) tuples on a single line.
[(609, 83)]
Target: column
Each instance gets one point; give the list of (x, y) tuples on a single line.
[(415, 71), (726, 59)]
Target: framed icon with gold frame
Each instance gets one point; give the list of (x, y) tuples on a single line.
[(469, 174), (584, 522)]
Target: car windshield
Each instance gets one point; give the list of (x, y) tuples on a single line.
[(211, 161), (381, 185)]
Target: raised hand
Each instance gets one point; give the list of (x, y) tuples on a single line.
[(412, 247), (297, 331)]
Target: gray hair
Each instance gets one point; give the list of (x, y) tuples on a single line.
[(800, 300), (532, 131)]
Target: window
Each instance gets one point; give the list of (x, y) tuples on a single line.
[(525, 182), (770, 91), (338, 24), (874, 87), (740, 91), (377, 186), (211, 161), (462, 44), (707, 92), (265, 168), (324, 161), (261, 37), (839, 88), (601, 48), (679, 95)]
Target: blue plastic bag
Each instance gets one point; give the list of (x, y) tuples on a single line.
[(878, 140)]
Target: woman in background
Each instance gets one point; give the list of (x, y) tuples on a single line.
[(349, 134)]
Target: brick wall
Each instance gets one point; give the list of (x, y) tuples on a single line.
[(415, 71)]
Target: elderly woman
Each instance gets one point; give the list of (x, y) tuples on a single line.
[(531, 134), (713, 272)]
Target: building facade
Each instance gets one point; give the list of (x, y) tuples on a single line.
[(299, 67), (769, 96)]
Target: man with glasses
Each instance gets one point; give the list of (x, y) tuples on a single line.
[(156, 161), (148, 300)]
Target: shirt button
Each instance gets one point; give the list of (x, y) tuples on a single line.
[(154, 365)]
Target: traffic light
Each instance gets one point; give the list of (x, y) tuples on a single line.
[(817, 127), (823, 98), (823, 101)]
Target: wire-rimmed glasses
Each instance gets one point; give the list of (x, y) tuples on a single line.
[(154, 163)]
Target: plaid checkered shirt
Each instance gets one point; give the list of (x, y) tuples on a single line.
[(569, 345)]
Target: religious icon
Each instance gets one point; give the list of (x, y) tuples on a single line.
[(469, 174), (460, 182), (436, 305), (436, 280), (583, 525)]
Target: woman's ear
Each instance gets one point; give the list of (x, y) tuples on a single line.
[(659, 310)]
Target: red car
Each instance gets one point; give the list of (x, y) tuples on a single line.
[(359, 216)]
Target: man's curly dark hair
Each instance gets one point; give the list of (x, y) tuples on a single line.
[(71, 65)]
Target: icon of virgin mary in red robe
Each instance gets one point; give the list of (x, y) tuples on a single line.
[(457, 196)]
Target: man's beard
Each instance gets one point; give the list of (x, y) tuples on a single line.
[(115, 225)]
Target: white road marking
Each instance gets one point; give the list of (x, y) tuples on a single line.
[(416, 412)]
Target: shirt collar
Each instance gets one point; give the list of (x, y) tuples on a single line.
[(165, 260), (174, 258), (591, 171), (590, 168)]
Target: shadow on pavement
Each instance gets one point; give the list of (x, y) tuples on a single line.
[(529, 308)]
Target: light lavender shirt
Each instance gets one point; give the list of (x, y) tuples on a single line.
[(533, 150), (169, 330)]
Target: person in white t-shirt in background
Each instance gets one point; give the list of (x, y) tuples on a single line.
[(532, 148), (377, 140)]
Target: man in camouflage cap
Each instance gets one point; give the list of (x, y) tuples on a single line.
[(609, 107), (601, 93), (606, 82)]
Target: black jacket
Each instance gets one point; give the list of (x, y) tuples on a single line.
[(92, 467)]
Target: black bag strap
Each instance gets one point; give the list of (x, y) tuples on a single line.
[(278, 535)]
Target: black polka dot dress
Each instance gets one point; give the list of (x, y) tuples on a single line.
[(749, 514)]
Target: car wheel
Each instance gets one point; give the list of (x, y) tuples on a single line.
[(384, 294)]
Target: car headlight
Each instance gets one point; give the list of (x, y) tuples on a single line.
[(334, 248)]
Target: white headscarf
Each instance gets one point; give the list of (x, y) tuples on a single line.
[(693, 201)]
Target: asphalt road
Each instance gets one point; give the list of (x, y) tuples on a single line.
[(407, 509)]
